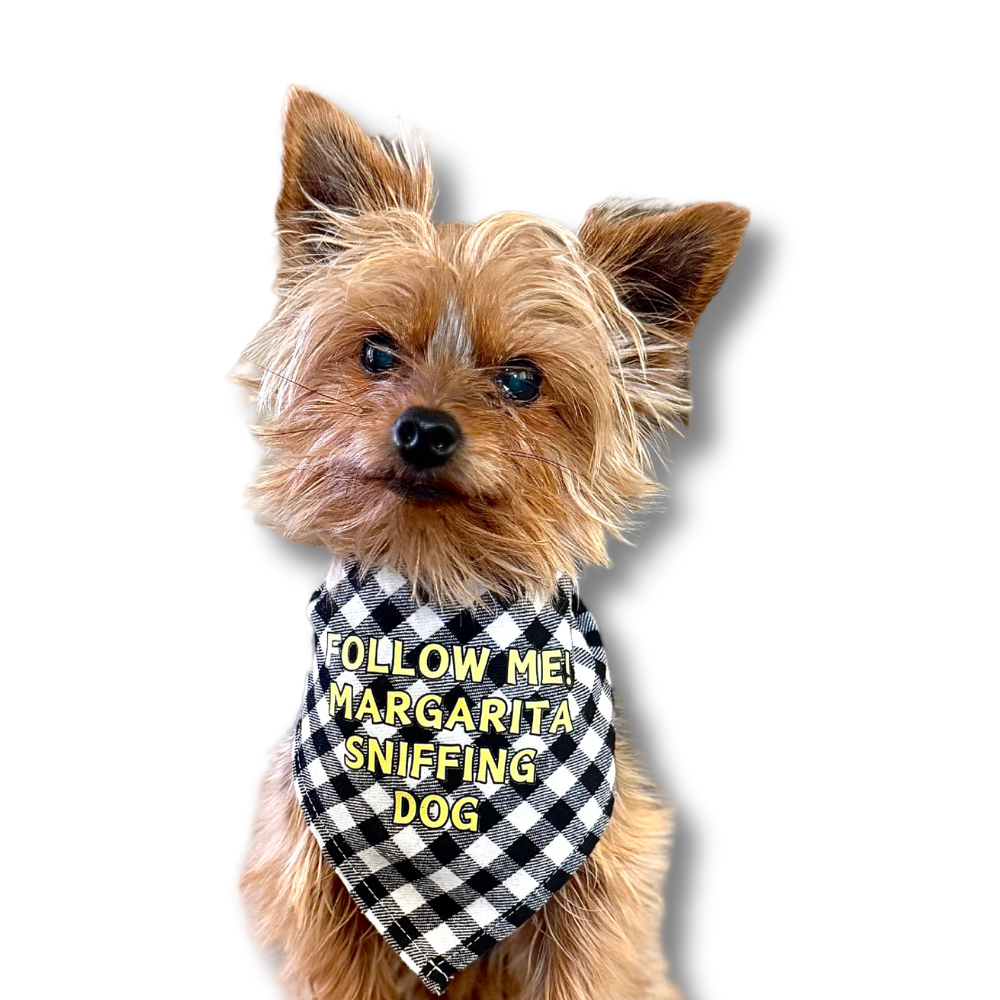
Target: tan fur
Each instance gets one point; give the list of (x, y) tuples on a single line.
[(531, 493), (598, 937)]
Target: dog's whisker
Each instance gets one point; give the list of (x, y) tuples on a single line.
[(542, 458), (301, 385)]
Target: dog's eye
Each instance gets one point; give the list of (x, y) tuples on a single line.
[(378, 354), (520, 381)]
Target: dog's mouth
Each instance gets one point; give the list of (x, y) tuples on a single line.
[(420, 492)]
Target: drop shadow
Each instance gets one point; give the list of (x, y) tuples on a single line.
[(448, 189), (312, 559), (718, 323)]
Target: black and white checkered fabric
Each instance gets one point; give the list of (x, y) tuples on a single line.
[(443, 894)]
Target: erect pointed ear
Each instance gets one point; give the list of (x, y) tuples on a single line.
[(332, 166), (665, 264)]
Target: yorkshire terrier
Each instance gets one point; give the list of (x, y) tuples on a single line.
[(463, 414)]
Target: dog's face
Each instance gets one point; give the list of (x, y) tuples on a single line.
[(471, 405)]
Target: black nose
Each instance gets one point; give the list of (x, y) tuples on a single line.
[(425, 438)]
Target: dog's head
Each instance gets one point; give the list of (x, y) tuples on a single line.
[(473, 405)]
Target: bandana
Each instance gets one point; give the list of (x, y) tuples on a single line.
[(456, 765)]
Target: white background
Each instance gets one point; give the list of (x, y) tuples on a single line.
[(819, 695)]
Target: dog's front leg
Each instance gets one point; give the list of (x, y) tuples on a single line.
[(301, 908)]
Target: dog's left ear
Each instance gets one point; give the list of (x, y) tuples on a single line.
[(665, 264)]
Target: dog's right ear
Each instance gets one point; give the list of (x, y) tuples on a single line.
[(331, 168)]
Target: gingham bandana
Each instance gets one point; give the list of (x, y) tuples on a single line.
[(456, 765)]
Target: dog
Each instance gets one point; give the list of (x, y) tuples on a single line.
[(468, 411)]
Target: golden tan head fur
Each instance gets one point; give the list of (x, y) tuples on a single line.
[(533, 490)]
